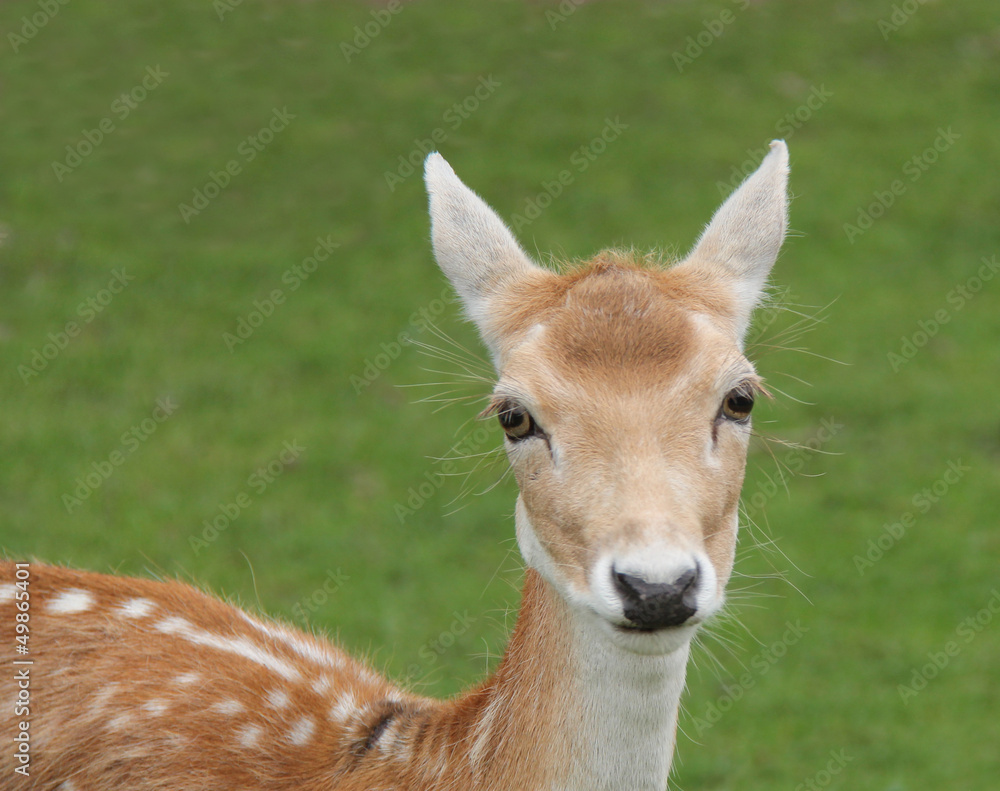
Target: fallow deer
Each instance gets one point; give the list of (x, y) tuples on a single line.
[(625, 398)]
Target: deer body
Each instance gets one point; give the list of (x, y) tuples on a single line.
[(625, 399)]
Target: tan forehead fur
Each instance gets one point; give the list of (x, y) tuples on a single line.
[(616, 312)]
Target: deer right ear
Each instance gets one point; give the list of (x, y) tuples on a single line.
[(741, 243), (472, 245)]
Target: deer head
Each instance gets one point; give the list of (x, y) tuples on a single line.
[(625, 399)]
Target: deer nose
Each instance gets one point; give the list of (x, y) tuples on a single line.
[(656, 605)]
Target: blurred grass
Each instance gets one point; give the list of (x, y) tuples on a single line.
[(332, 514)]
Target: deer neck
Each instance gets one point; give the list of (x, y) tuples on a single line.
[(567, 709)]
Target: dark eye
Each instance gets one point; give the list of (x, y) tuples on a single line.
[(738, 404), (516, 422)]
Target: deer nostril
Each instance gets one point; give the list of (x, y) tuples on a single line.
[(657, 605)]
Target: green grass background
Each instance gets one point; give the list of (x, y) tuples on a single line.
[(431, 597)]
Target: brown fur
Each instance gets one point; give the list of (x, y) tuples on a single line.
[(92, 667)]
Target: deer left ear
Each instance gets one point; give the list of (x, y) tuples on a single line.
[(472, 245), (741, 243)]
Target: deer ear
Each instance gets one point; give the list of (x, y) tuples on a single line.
[(473, 247), (741, 243)]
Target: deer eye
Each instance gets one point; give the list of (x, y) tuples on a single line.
[(738, 404), (516, 422)]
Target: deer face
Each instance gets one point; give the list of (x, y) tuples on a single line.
[(625, 400)]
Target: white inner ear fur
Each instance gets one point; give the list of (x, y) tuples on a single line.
[(741, 243), (472, 245)]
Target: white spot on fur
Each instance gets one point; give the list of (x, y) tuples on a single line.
[(344, 707), (155, 706), (301, 732), (176, 741), (322, 685), (234, 645), (483, 730), (368, 676), (187, 678), (103, 696), (67, 785), (249, 735), (136, 608), (229, 706), (7, 592), (71, 601), (278, 698), (119, 721), (174, 625), (298, 643)]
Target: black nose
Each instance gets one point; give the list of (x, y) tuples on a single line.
[(657, 605)]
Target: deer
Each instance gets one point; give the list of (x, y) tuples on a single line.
[(624, 397)]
